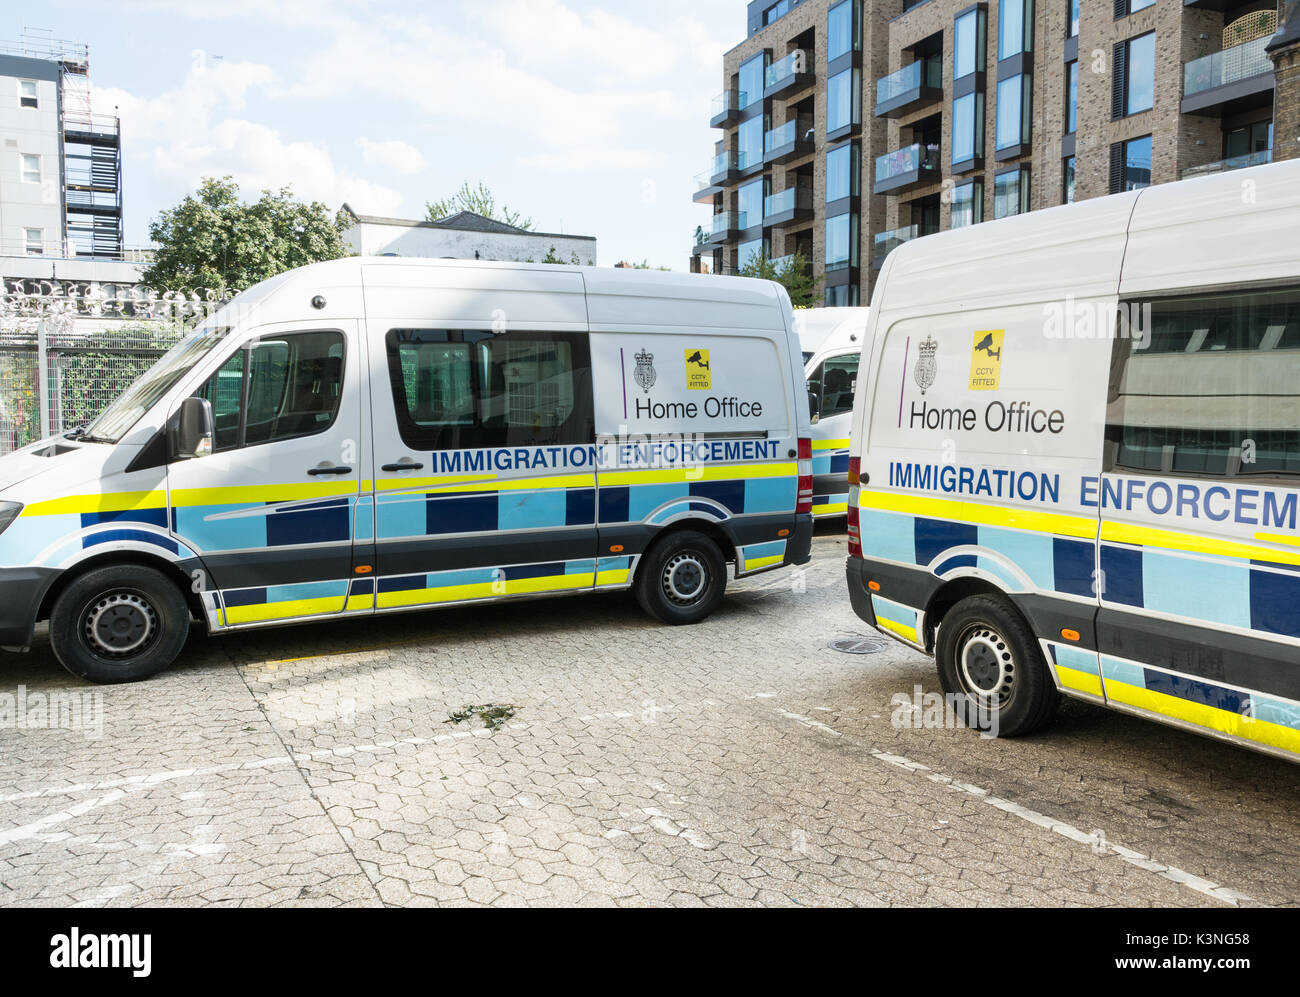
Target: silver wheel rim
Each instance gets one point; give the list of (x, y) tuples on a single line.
[(685, 578), (120, 624), (985, 665)]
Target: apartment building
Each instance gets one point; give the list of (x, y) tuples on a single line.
[(851, 126)]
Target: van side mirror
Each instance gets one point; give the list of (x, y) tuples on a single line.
[(814, 406), (190, 430)]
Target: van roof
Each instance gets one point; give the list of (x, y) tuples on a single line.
[(1186, 234), (824, 328)]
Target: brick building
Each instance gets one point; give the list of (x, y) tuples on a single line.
[(850, 126)]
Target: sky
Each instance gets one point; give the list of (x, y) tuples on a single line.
[(591, 118)]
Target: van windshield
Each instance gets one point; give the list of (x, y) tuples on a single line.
[(118, 418)]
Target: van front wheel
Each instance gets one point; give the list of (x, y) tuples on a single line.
[(120, 623), (682, 578), (989, 659)]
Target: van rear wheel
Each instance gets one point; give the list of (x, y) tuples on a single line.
[(682, 578), (989, 659), (120, 623)]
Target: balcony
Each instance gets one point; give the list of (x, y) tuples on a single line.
[(911, 166), (789, 207), (783, 263), (726, 108), (1236, 79), (725, 169), (792, 140), (909, 89), (705, 188), (1231, 163), (789, 75), (886, 242)]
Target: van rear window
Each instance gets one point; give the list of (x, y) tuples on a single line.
[(1208, 385), (465, 389)]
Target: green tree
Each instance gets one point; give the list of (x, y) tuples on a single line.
[(479, 200), (792, 272), (212, 239)]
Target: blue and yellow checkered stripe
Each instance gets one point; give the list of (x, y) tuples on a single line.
[(488, 583), (830, 457)]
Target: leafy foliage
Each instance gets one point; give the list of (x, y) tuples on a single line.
[(493, 715), (479, 200), (213, 240), (792, 272)]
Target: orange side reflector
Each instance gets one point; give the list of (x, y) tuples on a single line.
[(874, 586), (782, 533), (363, 569), (616, 549), (1070, 634)]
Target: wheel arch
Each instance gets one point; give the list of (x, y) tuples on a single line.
[(954, 591), (710, 529), (171, 569)]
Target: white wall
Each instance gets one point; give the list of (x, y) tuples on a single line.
[(377, 239), (31, 131)]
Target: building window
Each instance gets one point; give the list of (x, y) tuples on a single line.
[(1015, 27), (1011, 193), (1249, 140), (750, 84), (1161, 419), (842, 30), (1125, 7), (841, 242), (1015, 95), (842, 296), (1067, 184), (969, 32), (1130, 165), (776, 12), (34, 241), (749, 204), (842, 172), (750, 253), (1072, 29), (967, 127), (843, 101), (31, 168), (967, 205), (1134, 80), (1072, 97), (749, 142), (27, 93)]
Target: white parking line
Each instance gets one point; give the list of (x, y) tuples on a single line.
[(1098, 841)]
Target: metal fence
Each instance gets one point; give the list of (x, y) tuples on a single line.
[(62, 360)]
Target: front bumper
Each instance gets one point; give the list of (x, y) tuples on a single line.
[(21, 593)]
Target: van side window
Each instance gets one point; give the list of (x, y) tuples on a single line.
[(1208, 385), (277, 388), (457, 390), (835, 381)]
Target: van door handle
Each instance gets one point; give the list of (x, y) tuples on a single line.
[(315, 471), (404, 466)]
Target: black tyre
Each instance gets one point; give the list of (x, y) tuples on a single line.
[(681, 578), (989, 658), (121, 623)]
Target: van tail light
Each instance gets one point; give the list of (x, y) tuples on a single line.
[(855, 471), (855, 532), (805, 499)]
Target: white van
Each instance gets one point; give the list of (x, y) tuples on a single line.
[(375, 435), (1076, 458), (832, 340)]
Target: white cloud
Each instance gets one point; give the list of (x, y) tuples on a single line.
[(191, 132), (396, 155)]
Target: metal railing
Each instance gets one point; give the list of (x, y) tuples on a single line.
[(1218, 69), (1231, 163), (724, 162), (729, 100), (885, 243), (925, 73), (724, 221)]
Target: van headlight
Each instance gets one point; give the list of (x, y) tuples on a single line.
[(8, 513)]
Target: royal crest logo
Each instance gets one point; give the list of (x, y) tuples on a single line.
[(644, 374), (927, 363)]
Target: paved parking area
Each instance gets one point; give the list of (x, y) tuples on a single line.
[(741, 761)]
